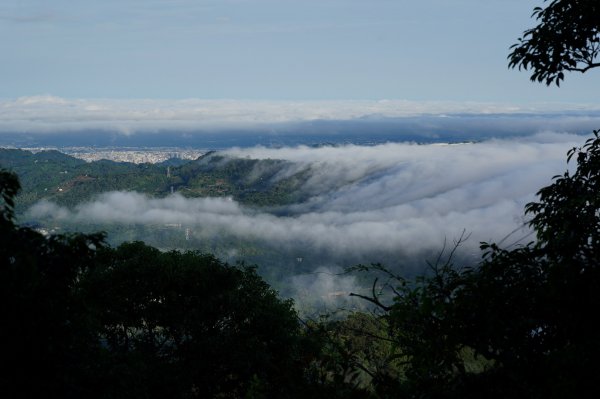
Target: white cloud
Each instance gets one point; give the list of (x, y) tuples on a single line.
[(393, 198), (46, 113)]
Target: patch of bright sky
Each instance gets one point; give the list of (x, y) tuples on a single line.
[(272, 49)]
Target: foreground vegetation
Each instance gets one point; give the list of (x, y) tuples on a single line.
[(84, 319)]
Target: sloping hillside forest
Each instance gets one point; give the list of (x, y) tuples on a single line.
[(83, 317), (52, 175)]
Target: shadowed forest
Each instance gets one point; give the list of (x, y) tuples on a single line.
[(82, 318)]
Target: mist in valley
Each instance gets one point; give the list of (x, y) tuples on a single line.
[(397, 204)]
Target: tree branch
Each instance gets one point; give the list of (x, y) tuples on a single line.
[(373, 299)]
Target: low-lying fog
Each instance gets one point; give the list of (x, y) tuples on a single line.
[(396, 198)]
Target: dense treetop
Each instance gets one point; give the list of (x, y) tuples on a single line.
[(566, 39)]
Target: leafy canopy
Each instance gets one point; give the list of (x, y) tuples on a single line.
[(82, 319), (567, 38)]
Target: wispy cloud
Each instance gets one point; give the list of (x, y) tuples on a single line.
[(46, 113), (387, 199)]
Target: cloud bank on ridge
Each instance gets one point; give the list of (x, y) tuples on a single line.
[(49, 114), (393, 198)]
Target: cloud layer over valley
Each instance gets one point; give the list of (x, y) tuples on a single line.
[(365, 202), (49, 121)]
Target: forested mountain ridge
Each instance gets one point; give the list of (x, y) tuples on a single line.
[(66, 180)]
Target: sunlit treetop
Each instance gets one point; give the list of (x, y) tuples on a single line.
[(567, 38)]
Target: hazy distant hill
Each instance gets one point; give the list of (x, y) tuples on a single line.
[(68, 181)]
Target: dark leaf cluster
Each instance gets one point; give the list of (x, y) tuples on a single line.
[(523, 322), (567, 38), (82, 319)]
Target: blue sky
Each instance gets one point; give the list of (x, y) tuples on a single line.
[(425, 50)]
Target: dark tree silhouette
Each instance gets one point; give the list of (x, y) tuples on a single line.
[(186, 325), (44, 332), (81, 319), (523, 322), (566, 39)]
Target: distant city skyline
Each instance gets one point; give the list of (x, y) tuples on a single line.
[(430, 50)]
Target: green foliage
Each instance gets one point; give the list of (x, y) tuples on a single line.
[(566, 216), (81, 319), (523, 323), (250, 181), (9, 187), (44, 331), (68, 181), (359, 356), (185, 324), (566, 39)]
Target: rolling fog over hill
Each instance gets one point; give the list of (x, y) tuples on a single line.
[(395, 203), (303, 189), (360, 199)]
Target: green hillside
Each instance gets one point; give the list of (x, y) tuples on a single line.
[(68, 181)]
